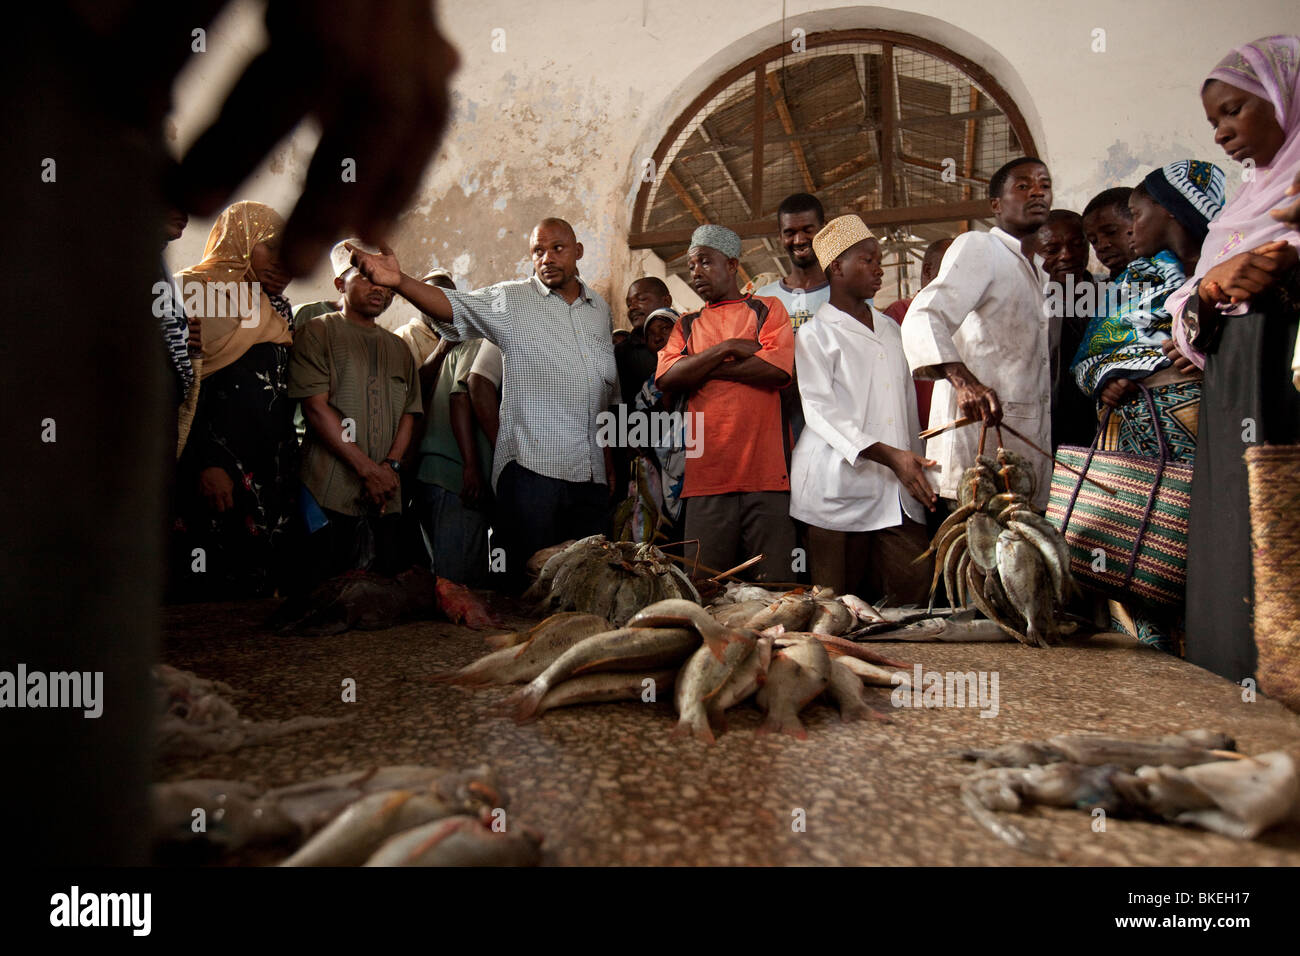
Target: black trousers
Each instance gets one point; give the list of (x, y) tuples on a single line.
[(535, 512)]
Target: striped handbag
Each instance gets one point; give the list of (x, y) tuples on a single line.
[(1131, 545)]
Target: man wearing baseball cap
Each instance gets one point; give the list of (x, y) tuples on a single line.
[(732, 358), (857, 479)]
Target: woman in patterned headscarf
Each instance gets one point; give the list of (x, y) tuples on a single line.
[(238, 473), (1237, 318)]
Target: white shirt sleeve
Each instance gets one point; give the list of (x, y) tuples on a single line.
[(940, 308)]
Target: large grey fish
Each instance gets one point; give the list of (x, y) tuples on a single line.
[(351, 837), (870, 673), (863, 611), (1040, 532), (517, 665), (982, 541), (837, 646), (960, 628), (798, 673), (845, 688), (1029, 589), (744, 681), (599, 688), (700, 680), (831, 617), (627, 649), (678, 612), (459, 841), (737, 615)]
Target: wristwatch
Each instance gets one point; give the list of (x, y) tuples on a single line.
[(394, 464)]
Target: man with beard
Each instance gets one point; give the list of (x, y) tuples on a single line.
[(980, 329), (732, 358), (1071, 303), (360, 394), (551, 474)]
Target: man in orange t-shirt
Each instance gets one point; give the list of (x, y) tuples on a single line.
[(732, 358)]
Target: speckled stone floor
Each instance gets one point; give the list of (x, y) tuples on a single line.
[(607, 786)]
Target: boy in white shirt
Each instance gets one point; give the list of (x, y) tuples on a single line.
[(857, 478)]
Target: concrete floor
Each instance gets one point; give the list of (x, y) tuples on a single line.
[(607, 786)]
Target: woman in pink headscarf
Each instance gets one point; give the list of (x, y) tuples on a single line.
[(1237, 318)]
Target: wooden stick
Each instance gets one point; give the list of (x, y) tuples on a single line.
[(959, 423), (740, 567), (1060, 464)]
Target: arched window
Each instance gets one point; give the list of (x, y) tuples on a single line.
[(893, 127)]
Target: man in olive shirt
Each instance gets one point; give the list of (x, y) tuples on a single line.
[(360, 394)]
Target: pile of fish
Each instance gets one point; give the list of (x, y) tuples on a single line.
[(611, 579), (821, 611), (391, 816), (999, 554), (196, 717), (366, 601), (710, 663), (1195, 777)]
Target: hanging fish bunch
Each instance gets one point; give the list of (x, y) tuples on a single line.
[(999, 554)]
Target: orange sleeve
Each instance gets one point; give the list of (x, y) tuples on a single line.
[(777, 337), (671, 353)]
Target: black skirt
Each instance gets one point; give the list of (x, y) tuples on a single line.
[(1247, 384)]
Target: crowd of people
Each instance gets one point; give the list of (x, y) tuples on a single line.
[(477, 434)]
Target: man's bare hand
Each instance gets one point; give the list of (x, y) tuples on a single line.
[(380, 483), (381, 102), (910, 469), (381, 268), (974, 400)]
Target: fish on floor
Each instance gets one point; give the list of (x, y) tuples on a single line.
[(798, 673), (460, 841)]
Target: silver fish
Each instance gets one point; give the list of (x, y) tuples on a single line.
[(1051, 544), (798, 673), (863, 611), (792, 612), (845, 688), (701, 679), (982, 541), (627, 649), (599, 688), (678, 612), (736, 615), (459, 841), (1029, 589), (352, 836), (744, 681), (520, 664), (960, 628), (831, 617)]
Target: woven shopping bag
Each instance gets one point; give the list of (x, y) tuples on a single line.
[(1133, 544), (1274, 472)]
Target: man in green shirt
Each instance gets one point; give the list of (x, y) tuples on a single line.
[(455, 457), (360, 394)]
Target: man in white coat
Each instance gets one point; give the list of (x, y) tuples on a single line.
[(980, 329), (856, 479)]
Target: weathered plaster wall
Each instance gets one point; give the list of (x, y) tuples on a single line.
[(558, 121)]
